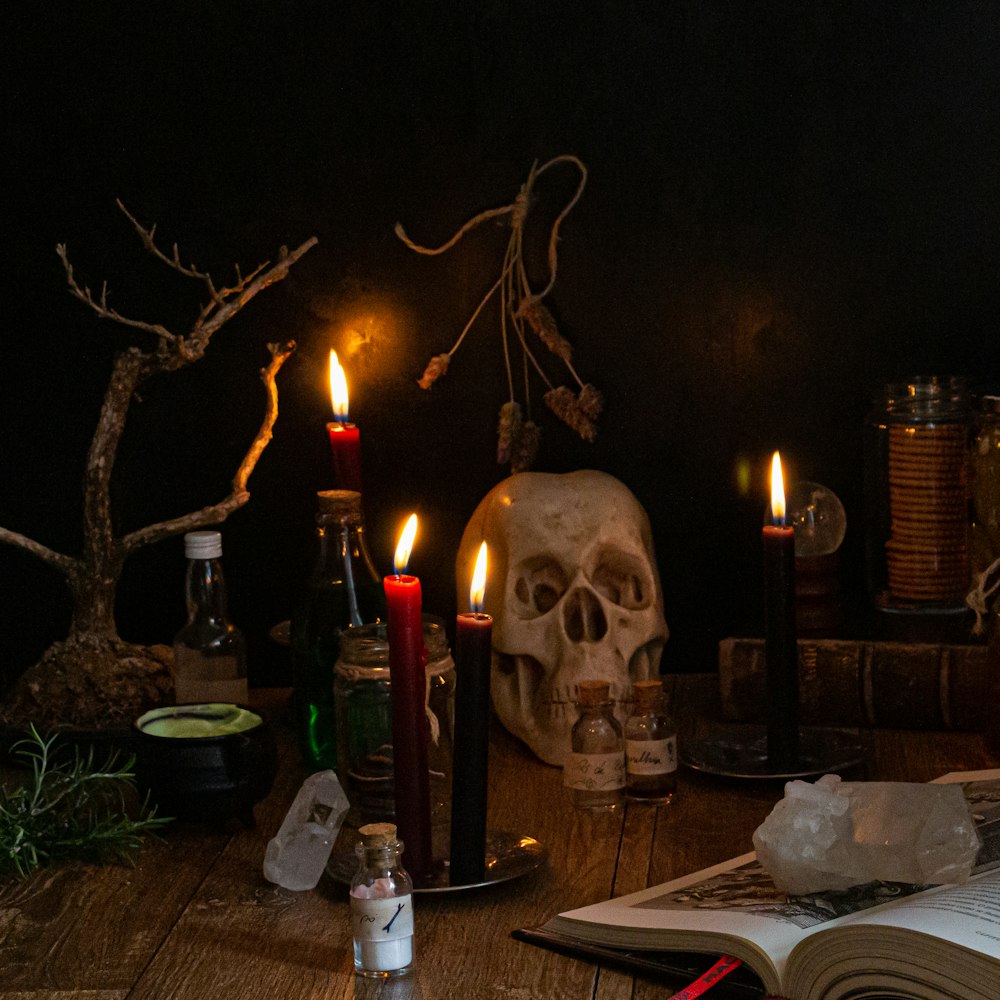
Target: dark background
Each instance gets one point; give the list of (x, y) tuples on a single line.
[(788, 204)]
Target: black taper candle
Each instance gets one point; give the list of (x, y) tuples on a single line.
[(781, 655), (470, 765)]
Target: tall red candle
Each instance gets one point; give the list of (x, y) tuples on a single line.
[(781, 656), (473, 657), (345, 438), (408, 684)]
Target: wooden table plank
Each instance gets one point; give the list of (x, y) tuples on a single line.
[(197, 921), (78, 927), (242, 937)]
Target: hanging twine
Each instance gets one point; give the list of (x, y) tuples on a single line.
[(981, 596), (518, 210), (523, 313)]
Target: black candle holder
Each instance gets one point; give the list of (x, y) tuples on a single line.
[(742, 752)]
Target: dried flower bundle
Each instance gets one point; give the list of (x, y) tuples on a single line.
[(523, 311)]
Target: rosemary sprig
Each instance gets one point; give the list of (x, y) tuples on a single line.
[(68, 808)]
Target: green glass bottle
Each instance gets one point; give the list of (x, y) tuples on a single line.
[(344, 590)]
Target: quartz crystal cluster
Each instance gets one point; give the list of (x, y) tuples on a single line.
[(298, 853), (835, 834)]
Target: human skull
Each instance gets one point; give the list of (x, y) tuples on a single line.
[(574, 593)]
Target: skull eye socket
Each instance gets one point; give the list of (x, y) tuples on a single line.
[(622, 580), (540, 584)]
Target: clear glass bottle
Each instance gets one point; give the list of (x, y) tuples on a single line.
[(594, 772), (363, 698), (381, 906), (344, 591), (209, 651), (917, 496), (650, 747)]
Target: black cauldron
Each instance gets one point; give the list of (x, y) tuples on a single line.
[(205, 763)]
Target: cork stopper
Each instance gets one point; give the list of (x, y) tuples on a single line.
[(332, 505), (647, 694), (594, 692), (378, 834)]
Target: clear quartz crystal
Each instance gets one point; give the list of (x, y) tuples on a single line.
[(381, 906), (834, 835), (298, 853), (650, 747), (594, 771)]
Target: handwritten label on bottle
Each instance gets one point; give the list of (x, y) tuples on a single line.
[(652, 756), (382, 919), (594, 771)]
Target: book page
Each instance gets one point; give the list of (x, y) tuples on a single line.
[(725, 908), (735, 907), (967, 914)]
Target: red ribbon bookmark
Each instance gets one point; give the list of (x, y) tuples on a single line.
[(721, 969)]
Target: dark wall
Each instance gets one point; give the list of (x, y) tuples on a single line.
[(787, 205)]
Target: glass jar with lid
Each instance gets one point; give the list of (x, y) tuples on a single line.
[(363, 702), (917, 496)]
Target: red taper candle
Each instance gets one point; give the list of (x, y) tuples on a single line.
[(345, 438), (410, 730), (473, 658)]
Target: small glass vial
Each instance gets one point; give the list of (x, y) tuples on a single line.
[(650, 747), (594, 772), (381, 906), (210, 651)]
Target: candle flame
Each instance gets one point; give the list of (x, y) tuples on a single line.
[(777, 491), (405, 546), (478, 588), (338, 388)]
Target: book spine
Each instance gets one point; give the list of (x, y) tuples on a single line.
[(855, 683)]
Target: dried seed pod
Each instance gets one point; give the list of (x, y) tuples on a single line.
[(591, 401), (564, 404), (436, 367), (525, 447), (508, 431), (541, 320)]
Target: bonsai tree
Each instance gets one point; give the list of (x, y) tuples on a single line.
[(93, 677)]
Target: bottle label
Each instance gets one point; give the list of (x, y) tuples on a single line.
[(382, 919), (652, 756), (594, 771), (200, 678)]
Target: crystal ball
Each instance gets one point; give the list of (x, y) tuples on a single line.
[(818, 517)]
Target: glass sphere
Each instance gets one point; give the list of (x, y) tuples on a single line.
[(818, 517)]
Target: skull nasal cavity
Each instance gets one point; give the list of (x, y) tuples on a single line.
[(583, 617)]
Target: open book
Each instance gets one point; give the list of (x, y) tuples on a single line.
[(872, 940)]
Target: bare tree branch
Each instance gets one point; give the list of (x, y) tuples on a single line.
[(239, 495), (93, 576), (65, 564), (100, 306)]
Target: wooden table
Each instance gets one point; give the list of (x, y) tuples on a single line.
[(196, 920)]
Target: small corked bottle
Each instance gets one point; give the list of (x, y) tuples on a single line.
[(650, 747), (594, 772), (381, 906)]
